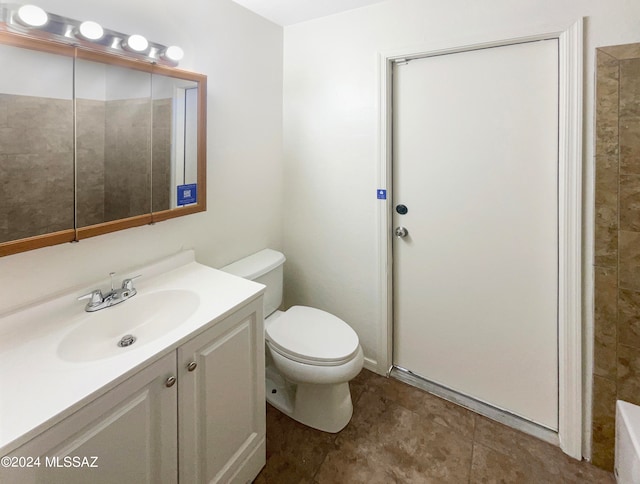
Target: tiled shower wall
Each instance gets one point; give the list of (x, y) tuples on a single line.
[(36, 166), (616, 373), (127, 161), (113, 151), (90, 161), (161, 153)]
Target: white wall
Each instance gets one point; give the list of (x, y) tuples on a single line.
[(241, 54), (55, 79), (330, 133)]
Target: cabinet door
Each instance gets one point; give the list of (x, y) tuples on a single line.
[(128, 435), (221, 402)]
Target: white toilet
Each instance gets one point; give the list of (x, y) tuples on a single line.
[(311, 355)]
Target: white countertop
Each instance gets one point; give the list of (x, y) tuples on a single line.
[(39, 388)]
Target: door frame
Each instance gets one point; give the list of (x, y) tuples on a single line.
[(570, 58)]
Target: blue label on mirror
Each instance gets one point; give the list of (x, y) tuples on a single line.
[(382, 194), (187, 194)]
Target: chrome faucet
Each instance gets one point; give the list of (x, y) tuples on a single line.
[(99, 301)]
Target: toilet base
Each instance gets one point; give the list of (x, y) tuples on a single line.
[(278, 391), (322, 407)]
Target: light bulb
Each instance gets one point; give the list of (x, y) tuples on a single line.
[(136, 43), (173, 53), (32, 16), (90, 30)]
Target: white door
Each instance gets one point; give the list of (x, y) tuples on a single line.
[(475, 162)]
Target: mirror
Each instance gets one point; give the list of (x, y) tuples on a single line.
[(36, 143), (175, 142), (113, 142), (125, 147)]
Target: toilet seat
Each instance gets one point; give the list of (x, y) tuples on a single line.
[(312, 336)]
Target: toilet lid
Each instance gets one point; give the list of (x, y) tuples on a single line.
[(312, 334)]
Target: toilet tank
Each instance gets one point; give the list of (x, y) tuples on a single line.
[(264, 267)]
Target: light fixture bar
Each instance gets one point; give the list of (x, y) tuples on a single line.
[(32, 21)]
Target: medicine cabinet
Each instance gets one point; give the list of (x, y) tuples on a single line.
[(93, 142)]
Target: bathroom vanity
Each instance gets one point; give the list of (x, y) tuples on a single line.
[(184, 403)]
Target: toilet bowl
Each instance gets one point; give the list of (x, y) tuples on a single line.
[(311, 354)]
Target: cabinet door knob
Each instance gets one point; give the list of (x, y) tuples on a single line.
[(192, 366), (170, 381)]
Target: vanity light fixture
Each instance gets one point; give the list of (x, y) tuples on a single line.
[(32, 16), (136, 43), (33, 21), (173, 53), (90, 30)]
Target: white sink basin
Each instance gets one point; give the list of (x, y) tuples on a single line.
[(145, 316)]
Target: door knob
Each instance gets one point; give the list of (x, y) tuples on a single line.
[(401, 232), (170, 381), (192, 366)]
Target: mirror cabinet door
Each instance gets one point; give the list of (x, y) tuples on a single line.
[(113, 142), (36, 144), (91, 143), (175, 142)]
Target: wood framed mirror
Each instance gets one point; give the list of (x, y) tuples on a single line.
[(94, 142)]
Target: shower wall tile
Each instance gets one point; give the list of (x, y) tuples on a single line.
[(605, 327), (621, 52), (629, 318), (90, 142), (606, 245), (617, 242), (606, 161), (630, 88), (36, 137), (127, 158), (603, 425), (607, 87), (630, 146), (629, 260), (161, 153), (629, 374), (4, 109), (630, 202)]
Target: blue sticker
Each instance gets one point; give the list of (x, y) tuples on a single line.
[(187, 194), (382, 194)]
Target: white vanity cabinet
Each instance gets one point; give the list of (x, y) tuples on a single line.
[(129, 434), (196, 415), (221, 422)]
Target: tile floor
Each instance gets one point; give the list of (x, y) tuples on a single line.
[(399, 434)]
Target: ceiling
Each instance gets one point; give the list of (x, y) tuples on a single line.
[(288, 12)]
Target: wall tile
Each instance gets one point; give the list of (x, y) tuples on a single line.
[(630, 202), (605, 318), (630, 88), (629, 318), (629, 259), (4, 111), (625, 51), (603, 423), (127, 158), (629, 374), (630, 146), (607, 102), (606, 245), (617, 241)]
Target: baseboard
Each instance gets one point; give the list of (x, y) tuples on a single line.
[(372, 365)]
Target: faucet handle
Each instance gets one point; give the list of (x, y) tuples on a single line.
[(95, 296), (128, 283)]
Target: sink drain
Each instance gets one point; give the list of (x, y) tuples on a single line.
[(126, 340)]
